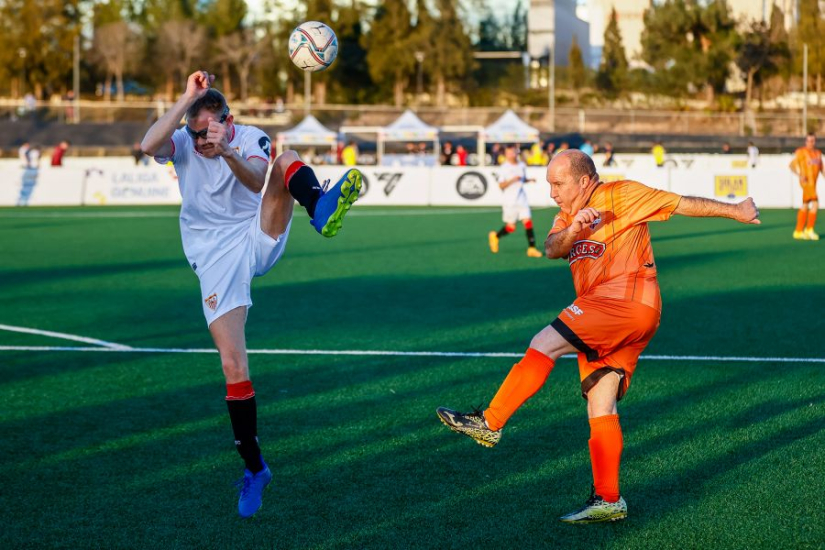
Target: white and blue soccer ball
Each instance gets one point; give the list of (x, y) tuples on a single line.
[(313, 46)]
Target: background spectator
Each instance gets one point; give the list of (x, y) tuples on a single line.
[(59, 151), (753, 155), (658, 152), (496, 154), (34, 157), (537, 156), (446, 157), (550, 150), (349, 155), (23, 154), (461, 154), (587, 148), (726, 148), (609, 159), (138, 155)]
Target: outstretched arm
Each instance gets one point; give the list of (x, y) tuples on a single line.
[(504, 184), (558, 244), (156, 142), (745, 211)]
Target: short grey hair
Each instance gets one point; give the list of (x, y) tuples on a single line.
[(580, 163)]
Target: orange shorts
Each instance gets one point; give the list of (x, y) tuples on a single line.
[(809, 193), (610, 335)]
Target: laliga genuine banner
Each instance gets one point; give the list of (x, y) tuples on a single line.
[(150, 184)]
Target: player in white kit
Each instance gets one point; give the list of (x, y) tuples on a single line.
[(512, 175), (233, 229)]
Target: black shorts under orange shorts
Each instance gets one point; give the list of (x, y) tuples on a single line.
[(610, 335), (809, 193)]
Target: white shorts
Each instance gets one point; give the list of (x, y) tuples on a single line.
[(225, 285), (510, 214)]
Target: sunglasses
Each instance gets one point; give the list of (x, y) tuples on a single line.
[(202, 134)]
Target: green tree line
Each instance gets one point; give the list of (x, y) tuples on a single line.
[(390, 50)]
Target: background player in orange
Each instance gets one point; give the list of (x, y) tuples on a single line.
[(807, 164), (602, 231)]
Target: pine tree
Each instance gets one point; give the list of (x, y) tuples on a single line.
[(689, 45), (754, 55), (387, 44), (578, 73), (612, 75), (422, 42), (37, 41), (780, 49), (349, 74), (451, 51), (221, 19), (811, 31), (320, 10)]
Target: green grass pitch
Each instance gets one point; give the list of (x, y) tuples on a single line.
[(134, 450)]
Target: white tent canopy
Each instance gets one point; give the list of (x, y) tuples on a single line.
[(308, 132), (511, 129), (408, 127)]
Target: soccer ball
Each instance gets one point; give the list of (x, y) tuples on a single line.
[(313, 46)]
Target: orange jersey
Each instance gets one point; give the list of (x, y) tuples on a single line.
[(808, 163), (613, 257)]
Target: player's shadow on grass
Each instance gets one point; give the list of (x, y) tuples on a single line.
[(351, 485), (25, 277), (747, 322), (469, 464)]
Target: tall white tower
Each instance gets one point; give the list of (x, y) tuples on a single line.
[(553, 24)]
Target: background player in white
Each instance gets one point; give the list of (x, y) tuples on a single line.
[(233, 229), (512, 175)]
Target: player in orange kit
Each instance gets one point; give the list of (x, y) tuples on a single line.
[(602, 231), (807, 164)]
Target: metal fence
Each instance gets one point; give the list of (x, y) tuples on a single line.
[(585, 121)]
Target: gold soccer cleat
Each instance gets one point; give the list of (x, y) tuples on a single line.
[(800, 235), (810, 235), (533, 252), (471, 424), (596, 510), (493, 238)]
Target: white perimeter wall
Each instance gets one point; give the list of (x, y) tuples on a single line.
[(116, 180)]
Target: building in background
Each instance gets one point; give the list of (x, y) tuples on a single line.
[(554, 23), (630, 15)]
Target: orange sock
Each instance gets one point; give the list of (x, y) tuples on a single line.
[(811, 219), (800, 219), (606, 454), (525, 379)]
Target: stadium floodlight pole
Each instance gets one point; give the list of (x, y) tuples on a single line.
[(307, 93), (419, 89), (552, 89), (76, 79), (805, 89)]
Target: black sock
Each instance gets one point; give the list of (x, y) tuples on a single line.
[(502, 232), (304, 188), (244, 416), (531, 237)]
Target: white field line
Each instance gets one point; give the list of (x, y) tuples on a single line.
[(63, 336), (693, 358), (29, 214)]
